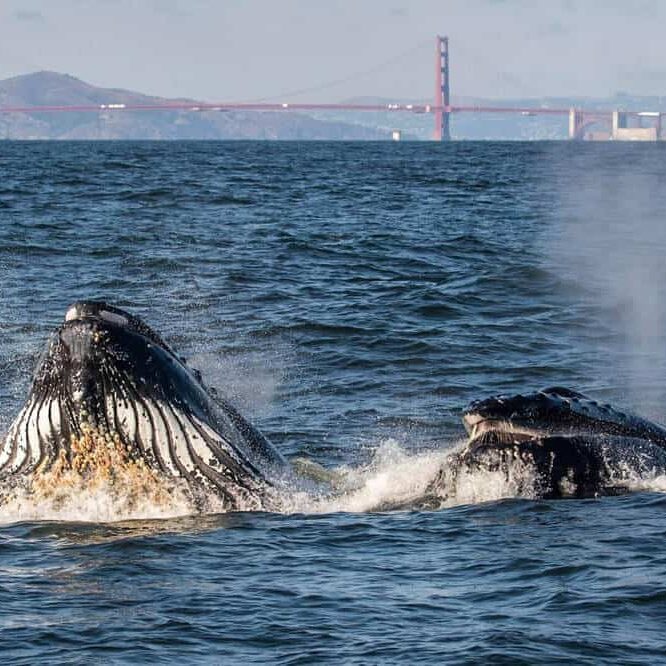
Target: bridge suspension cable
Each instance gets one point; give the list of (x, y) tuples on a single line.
[(346, 79)]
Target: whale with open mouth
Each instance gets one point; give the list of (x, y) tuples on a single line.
[(555, 411), (110, 400), (556, 443)]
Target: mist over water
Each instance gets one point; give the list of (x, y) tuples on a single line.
[(609, 243), (351, 299)]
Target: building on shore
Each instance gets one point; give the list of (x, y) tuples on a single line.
[(646, 126), (618, 126)]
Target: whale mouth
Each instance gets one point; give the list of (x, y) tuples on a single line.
[(477, 426), (109, 394), (477, 422), (108, 315), (80, 311)]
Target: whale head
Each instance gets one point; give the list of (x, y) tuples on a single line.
[(109, 392), (554, 411)]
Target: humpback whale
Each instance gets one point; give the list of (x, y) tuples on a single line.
[(111, 399), (572, 445), (111, 403)]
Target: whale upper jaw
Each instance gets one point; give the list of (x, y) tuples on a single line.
[(477, 425), (109, 315), (556, 411), (100, 354), (96, 309)]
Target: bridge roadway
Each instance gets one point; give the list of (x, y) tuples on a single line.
[(240, 106)]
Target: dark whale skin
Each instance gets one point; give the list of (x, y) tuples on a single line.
[(561, 411)]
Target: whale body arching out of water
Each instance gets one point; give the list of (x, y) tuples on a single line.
[(111, 402)]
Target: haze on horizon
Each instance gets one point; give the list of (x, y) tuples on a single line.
[(242, 50)]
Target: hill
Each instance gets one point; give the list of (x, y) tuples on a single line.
[(54, 89)]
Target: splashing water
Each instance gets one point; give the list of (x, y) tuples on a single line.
[(630, 480), (397, 479), (248, 380), (394, 479)]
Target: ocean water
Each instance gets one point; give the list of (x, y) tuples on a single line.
[(350, 299)]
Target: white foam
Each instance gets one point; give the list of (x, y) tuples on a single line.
[(393, 477), (645, 481), (467, 486), (99, 504), (396, 478), (654, 484)]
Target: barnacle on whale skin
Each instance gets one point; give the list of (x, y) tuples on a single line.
[(99, 460)]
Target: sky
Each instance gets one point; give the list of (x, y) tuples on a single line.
[(332, 50)]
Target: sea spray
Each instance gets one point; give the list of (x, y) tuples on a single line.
[(398, 479), (607, 241), (392, 478)]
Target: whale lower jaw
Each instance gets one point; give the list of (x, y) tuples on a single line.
[(112, 403), (549, 467), (145, 444)]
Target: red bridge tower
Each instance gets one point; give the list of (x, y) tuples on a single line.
[(442, 105)]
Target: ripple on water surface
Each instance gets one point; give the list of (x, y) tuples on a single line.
[(351, 299), (542, 582)]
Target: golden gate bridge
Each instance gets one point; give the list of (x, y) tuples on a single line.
[(441, 108)]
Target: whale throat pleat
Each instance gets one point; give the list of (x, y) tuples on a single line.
[(33, 439), (172, 439)]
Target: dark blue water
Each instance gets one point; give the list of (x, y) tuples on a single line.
[(351, 299)]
